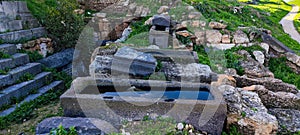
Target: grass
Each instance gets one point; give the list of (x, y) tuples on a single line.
[(267, 14), (25, 77), (67, 79), (4, 55), (28, 115), (228, 58), (28, 126), (33, 55), (282, 71), (26, 110), (139, 40), (4, 71), (297, 17)]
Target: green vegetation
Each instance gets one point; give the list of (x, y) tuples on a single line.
[(67, 79), (63, 25), (203, 57), (285, 131), (233, 131), (62, 131), (266, 14), (33, 55), (243, 114), (297, 17), (139, 40), (4, 71), (26, 110), (25, 77), (139, 27), (4, 55), (282, 71), (140, 33)]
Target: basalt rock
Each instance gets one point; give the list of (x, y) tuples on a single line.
[(254, 69), (271, 84), (192, 72), (247, 112), (125, 61), (276, 99), (288, 119)]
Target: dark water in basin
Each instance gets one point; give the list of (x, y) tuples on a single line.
[(167, 95)]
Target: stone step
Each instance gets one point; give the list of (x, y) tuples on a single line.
[(12, 25), (8, 49), (56, 85), (17, 59), (24, 88), (31, 23), (16, 25), (4, 18), (23, 34), (16, 73), (25, 16)]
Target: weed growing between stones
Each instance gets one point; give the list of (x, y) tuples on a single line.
[(26, 110), (4, 55), (33, 56), (233, 131), (60, 130), (4, 71), (139, 27), (25, 77), (59, 76)]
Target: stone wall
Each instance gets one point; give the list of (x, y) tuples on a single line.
[(14, 15)]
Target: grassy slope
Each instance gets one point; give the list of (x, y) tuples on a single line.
[(296, 19), (265, 15)]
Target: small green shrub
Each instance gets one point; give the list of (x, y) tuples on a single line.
[(139, 27), (159, 66), (25, 77), (233, 130), (282, 71), (184, 40), (33, 55), (146, 118), (67, 79), (233, 61), (63, 25), (62, 131), (4, 55), (203, 57), (4, 71)]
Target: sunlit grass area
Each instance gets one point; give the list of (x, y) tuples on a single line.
[(296, 19), (266, 14)]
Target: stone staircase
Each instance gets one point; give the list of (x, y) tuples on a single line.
[(20, 80), (10, 85), (17, 23)]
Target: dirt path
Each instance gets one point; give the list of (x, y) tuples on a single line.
[(288, 24)]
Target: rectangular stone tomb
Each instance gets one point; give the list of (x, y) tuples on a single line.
[(119, 100)]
